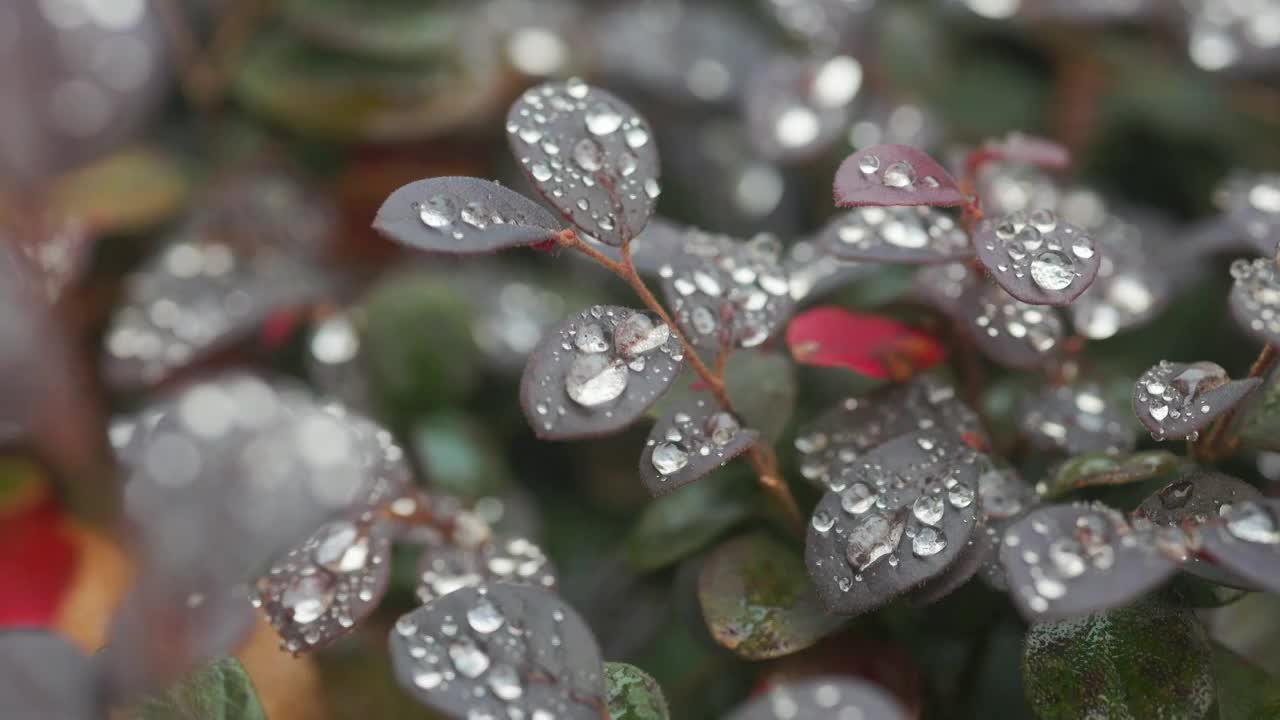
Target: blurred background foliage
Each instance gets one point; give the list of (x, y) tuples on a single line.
[(281, 125)]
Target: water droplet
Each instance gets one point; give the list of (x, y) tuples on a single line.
[(427, 679), (485, 617), (341, 548), (590, 339), (1199, 378), (505, 683), (588, 154), (900, 175), (1177, 494), (928, 509), (438, 212), (928, 541), (1252, 522), (669, 458), (877, 536), (602, 119), (858, 498), (1066, 557), (1052, 270), (822, 521), (540, 171), (639, 334), (469, 659), (308, 597), (960, 496), (869, 164), (594, 380)]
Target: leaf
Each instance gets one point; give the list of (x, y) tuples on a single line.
[(39, 557), (1194, 499), (795, 108), (1252, 207), (762, 386), (1038, 258), (1255, 298), (1069, 560), (725, 293), (44, 677), (219, 691), (1019, 149), (446, 567), (757, 600), (822, 697), (501, 649), (1247, 542), (694, 440), (633, 694), (1075, 419), (1107, 468), (682, 522), (463, 215), (1009, 331), (316, 592), (916, 235), (812, 272), (590, 155), (460, 456), (130, 190), (1178, 400), (905, 513), (394, 31), (597, 372), (866, 344), (1244, 691), (1146, 661), (1259, 424), (894, 175), (1129, 289)]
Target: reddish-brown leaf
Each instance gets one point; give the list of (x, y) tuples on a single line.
[(895, 175), (866, 344)]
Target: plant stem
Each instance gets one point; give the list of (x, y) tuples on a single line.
[(762, 460), (1217, 442)]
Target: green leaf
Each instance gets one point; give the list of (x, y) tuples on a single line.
[(1136, 663), (757, 599), (762, 386), (458, 457), (1245, 691), (1102, 468), (399, 29), (219, 691), (633, 694), (129, 190), (1259, 426), (681, 523)]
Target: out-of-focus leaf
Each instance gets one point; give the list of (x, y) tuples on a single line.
[(1009, 331), (894, 175), (757, 600), (391, 31), (1076, 418), (463, 215), (866, 344), (459, 457), (130, 190), (1259, 426), (762, 386), (38, 556), (1244, 691), (829, 697), (1104, 468), (44, 677), (684, 521), (908, 235), (1255, 298), (1247, 542), (220, 691), (1146, 661), (794, 108), (633, 695)]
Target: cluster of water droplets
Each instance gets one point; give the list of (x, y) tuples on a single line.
[(319, 590), (461, 219), (895, 174), (898, 233), (1076, 419), (1128, 289), (597, 354), (811, 270), (1088, 546), (1012, 331), (702, 435), (1039, 246), (444, 569), (837, 699), (1174, 393), (718, 286), (196, 294), (589, 154), (1256, 296)]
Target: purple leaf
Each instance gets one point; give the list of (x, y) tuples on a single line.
[(1075, 419), (446, 567), (1251, 205), (1178, 400), (590, 155), (1255, 298), (837, 696), (44, 677), (463, 215), (1009, 331), (1247, 542), (597, 372), (916, 235), (1129, 289), (1037, 258), (696, 438), (895, 175)]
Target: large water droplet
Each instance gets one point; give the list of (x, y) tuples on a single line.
[(438, 212), (669, 458), (1052, 270), (928, 541), (308, 597), (505, 683), (874, 538), (722, 428), (823, 521), (1199, 378), (341, 548), (1252, 522), (858, 498), (469, 659), (590, 339), (595, 380), (639, 334), (928, 509), (485, 617), (588, 154), (602, 119), (900, 175)]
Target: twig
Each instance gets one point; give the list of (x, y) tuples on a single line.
[(761, 460), (1217, 442)]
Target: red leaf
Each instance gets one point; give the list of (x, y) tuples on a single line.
[(895, 175), (866, 344), (37, 563), (1022, 149)]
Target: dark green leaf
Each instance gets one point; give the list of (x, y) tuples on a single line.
[(1259, 428), (391, 30), (219, 691), (458, 457), (757, 600), (1136, 663), (1245, 691), (633, 694), (1107, 469), (762, 386), (684, 521)]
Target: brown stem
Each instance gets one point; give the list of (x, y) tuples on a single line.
[(761, 459), (1217, 442)]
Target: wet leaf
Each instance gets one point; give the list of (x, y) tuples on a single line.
[(830, 443), (1251, 204), (762, 386), (590, 155), (757, 600), (947, 288), (682, 522), (220, 691), (44, 677), (866, 344), (1246, 542), (1106, 468), (894, 175), (726, 293), (1178, 400), (1009, 331), (1259, 424), (633, 694), (1075, 419), (1038, 258), (1129, 289), (916, 235), (597, 372), (1146, 661), (1004, 497), (1069, 560), (811, 271), (463, 215), (446, 567), (1255, 298), (499, 649), (904, 514), (822, 697), (1020, 149), (795, 108), (695, 439)]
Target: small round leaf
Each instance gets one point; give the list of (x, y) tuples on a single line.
[(1037, 257), (894, 175), (1247, 542), (463, 215), (1178, 400), (915, 235), (694, 440), (1255, 298), (1075, 419), (796, 108), (1009, 331), (1251, 203)]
